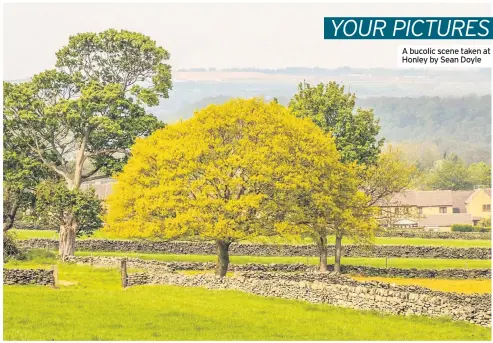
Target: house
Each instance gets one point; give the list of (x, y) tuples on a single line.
[(479, 203), (437, 210), (420, 203)]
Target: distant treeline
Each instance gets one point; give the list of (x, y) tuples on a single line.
[(460, 125)]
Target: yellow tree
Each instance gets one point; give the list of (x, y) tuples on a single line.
[(332, 201), (221, 175), (378, 183)]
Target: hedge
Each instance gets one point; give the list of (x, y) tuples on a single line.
[(469, 228)]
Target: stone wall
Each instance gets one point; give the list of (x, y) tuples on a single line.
[(341, 291), (45, 277), (152, 265), (205, 248), (414, 233)]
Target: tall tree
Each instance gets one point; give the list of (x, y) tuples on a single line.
[(90, 109), (355, 134), (221, 175)]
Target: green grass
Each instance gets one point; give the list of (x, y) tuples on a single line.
[(28, 234), (92, 306), (462, 243), (420, 263)]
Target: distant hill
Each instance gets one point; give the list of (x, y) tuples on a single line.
[(454, 124)]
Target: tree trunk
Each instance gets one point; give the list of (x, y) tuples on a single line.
[(8, 220), (338, 253), (67, 238), (322, 253), (222, 258), (7, 224), (68, 230)]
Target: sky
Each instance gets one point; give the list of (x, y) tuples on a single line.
[(212, 35)]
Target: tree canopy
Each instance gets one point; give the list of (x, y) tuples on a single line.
[(223, 175), (88, 111), (333, 110), (21, 175)]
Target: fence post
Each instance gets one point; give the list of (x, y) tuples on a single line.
[(123, 271), (55, 275)]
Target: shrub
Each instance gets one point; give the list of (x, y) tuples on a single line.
[(10, 248), (469, 228), (462, 228)]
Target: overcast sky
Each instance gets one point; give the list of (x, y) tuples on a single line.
[(212, 35)]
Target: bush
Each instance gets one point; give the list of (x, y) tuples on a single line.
[(462, 228), (10, 248), (469, 228), (40, 254)]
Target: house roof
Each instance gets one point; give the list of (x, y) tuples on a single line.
[(445, 219), (459, 200), (103, 187), (422, 198), (473, 194)]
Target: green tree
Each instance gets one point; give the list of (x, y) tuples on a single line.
[(21, 174), (450, 174), (479, 174), (55, 202), (379, 182), (355, 135), (333, 110), (90, 109), (222, 175)]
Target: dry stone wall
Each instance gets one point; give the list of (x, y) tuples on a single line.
[(434, 235), (340, 291), (43, 277), (300, 282), (152, 265), (205, 248)]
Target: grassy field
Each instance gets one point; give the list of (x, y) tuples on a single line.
[(457, 286), (462, 243), (419, 263), (90, 305)]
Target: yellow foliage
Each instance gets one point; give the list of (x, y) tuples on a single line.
[(444, 285), (228, 173)]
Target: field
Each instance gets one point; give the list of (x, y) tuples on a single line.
[(444, 285), (459, 243), (92, 306)]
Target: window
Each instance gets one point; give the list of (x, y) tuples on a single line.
[(487, 208), (420, 210), (443, 210)]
